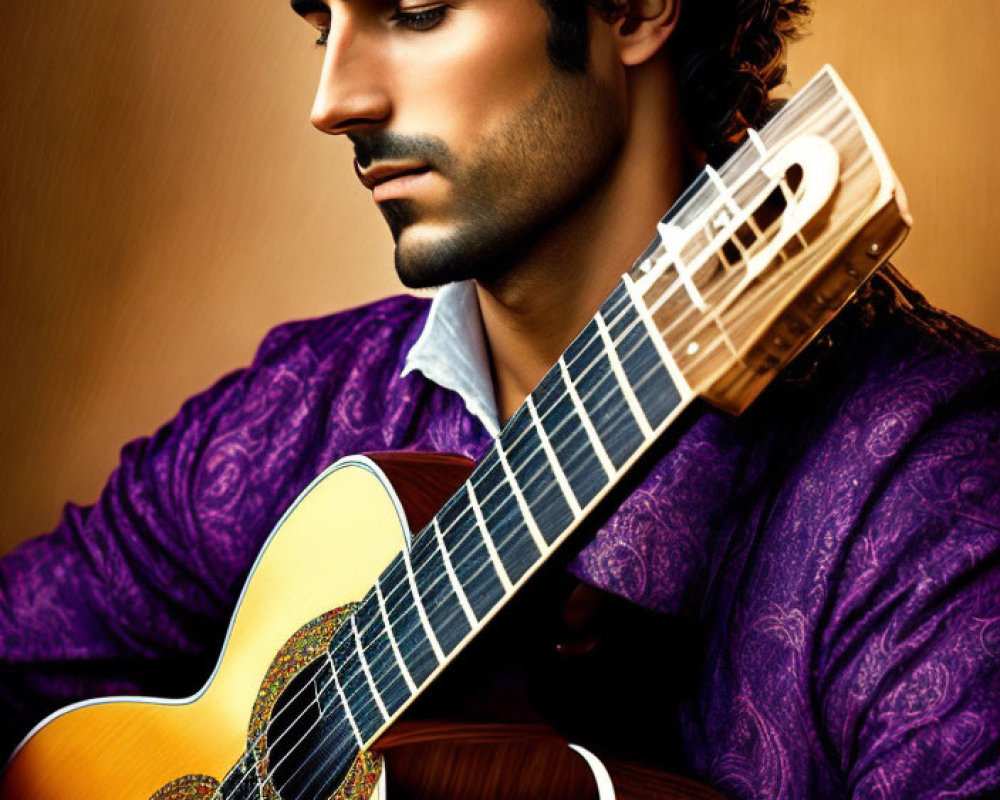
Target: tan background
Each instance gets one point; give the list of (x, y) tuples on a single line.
[(164, 202)]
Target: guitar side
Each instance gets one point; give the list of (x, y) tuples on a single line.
[(325, 554)]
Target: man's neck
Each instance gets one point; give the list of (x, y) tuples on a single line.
[(532, 314)]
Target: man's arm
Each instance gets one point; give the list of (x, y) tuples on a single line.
[(911, 686)]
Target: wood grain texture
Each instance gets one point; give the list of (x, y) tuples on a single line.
[(165, 202)]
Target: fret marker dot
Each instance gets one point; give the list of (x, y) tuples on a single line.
[(692, 348)]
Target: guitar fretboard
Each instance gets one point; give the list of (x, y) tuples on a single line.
[(592, 414)]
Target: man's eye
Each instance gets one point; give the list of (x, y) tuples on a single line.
[(324, 35), (420, 19)]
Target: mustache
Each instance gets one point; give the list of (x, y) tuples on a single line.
[(384, 146)]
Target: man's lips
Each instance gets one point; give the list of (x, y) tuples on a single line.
[(383, 173)]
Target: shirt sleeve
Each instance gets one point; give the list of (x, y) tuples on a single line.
[(912, 695), (132, 595)]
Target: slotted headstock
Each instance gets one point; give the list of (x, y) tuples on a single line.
[(757, 256)]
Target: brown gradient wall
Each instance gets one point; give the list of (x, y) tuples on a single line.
[(164, 202)]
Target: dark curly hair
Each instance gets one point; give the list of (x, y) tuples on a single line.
[(728, 55)]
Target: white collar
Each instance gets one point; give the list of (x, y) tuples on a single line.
[(451, 351)]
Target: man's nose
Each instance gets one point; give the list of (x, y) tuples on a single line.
[(352, 93)]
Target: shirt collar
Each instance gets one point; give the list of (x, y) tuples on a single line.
[(451, 351)]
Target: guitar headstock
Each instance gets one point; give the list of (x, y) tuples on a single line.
[(757, 256)]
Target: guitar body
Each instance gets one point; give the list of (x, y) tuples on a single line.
[(324, 555)]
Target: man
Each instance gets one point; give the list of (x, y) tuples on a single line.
[(828, 561)]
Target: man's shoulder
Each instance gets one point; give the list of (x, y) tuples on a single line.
[(890, 351), (384, 328)]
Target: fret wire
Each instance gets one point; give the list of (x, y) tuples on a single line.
[(501, 457), (421, 612), (553, 461), (391, 635), (365, 668), (343, 701), (488, 540), (529, 519), (459, 591), (626, 388), (646, 318), (595, 440)]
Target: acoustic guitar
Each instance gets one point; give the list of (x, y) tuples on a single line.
[(347, 616)]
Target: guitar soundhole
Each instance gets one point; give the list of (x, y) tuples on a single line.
[(310, 744)]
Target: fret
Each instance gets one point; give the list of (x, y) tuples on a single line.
[(366, 669), (517, 539), (438, 598), (353, 685), (567, 438), (677, 375), (400, 663), (640, 359), (656, 392), (343, 702), (533, 475), (616, 367), (392, 681), (459, 592), (557, 470), (597, 386), (476, 570), (588, 425), (409, 623), (488, 539)]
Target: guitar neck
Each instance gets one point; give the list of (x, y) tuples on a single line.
[(746, 268)]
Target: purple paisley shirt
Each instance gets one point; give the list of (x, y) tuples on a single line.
[(838, 545)]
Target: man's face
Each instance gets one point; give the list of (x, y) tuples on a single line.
[(474, 144)]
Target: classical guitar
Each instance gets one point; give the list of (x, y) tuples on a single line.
[(346, 617)]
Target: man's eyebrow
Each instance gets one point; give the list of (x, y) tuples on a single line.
[(303, 7)]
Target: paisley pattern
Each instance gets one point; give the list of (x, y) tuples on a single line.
[(838, 545)]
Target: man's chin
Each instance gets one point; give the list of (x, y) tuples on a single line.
[(428, 256), (433, 254)]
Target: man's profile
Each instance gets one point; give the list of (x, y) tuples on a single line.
[(827, 561)]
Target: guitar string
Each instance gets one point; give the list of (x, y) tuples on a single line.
[(380, 653), (627, 309)]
